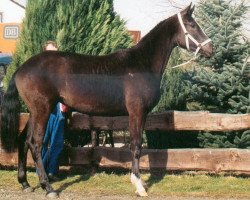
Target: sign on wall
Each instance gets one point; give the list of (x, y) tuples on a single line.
[(11, 32)]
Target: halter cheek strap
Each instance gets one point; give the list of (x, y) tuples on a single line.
[(188, 36)]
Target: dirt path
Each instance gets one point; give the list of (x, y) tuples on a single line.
[(40, 195)]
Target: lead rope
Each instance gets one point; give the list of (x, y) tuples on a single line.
[(185, 63), (187, 37)]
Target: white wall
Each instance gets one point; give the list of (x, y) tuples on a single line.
[(11, 11)]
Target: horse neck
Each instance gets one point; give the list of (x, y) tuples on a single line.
[(156, 47)]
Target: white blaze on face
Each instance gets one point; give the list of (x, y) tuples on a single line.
[(138, 184)]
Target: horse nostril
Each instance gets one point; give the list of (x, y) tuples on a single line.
[(211, 47)]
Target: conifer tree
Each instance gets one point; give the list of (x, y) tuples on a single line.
[(221, 84), (91, 29)]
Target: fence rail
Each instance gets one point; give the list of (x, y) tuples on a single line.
[(212, 160), (215, 160), (172, 120)]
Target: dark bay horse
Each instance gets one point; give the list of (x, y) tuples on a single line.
[(126, 82)]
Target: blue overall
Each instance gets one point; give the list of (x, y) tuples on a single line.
[(53, 141)]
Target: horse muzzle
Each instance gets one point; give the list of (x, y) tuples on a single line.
[(207, 50)]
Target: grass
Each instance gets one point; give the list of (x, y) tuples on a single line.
[(118, 183)]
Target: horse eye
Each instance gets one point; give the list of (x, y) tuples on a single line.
[(192, 25)]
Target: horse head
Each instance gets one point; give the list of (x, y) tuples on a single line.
[(190, 36)]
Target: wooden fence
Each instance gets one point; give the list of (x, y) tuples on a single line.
[(215, 160)]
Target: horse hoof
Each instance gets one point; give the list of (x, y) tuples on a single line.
[(141, 193), (28, 190), (52, 195)]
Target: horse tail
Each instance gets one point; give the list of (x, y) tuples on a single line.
[(10, 109)]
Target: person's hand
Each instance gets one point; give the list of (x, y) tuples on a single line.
[(64, 108)]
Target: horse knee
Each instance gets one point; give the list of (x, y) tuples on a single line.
[(136, 151)]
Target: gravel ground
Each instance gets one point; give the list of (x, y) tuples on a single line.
[(40, 195)]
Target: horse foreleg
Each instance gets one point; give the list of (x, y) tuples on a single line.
[(35, 144), (136, 125), (22, 160)]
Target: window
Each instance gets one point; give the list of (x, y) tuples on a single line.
[(1, 17)]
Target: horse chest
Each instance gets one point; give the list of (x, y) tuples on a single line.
[(143, 89)]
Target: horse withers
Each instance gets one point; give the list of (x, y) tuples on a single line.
[(126, 82)]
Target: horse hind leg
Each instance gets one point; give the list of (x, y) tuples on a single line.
[(22, 160), (38, 126)]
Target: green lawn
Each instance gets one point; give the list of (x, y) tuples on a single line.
[(118, 183)]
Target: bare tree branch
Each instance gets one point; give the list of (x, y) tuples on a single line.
[(174, 4), (20, 5)]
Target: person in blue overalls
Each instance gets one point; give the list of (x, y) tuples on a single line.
[(54, 136)]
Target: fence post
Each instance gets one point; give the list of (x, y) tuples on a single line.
[(95, 143)]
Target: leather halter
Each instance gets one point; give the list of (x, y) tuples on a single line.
[(188, 36)]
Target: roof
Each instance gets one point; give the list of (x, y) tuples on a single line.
[(136, 36)]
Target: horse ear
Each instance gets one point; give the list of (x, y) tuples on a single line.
[(189, 10)]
